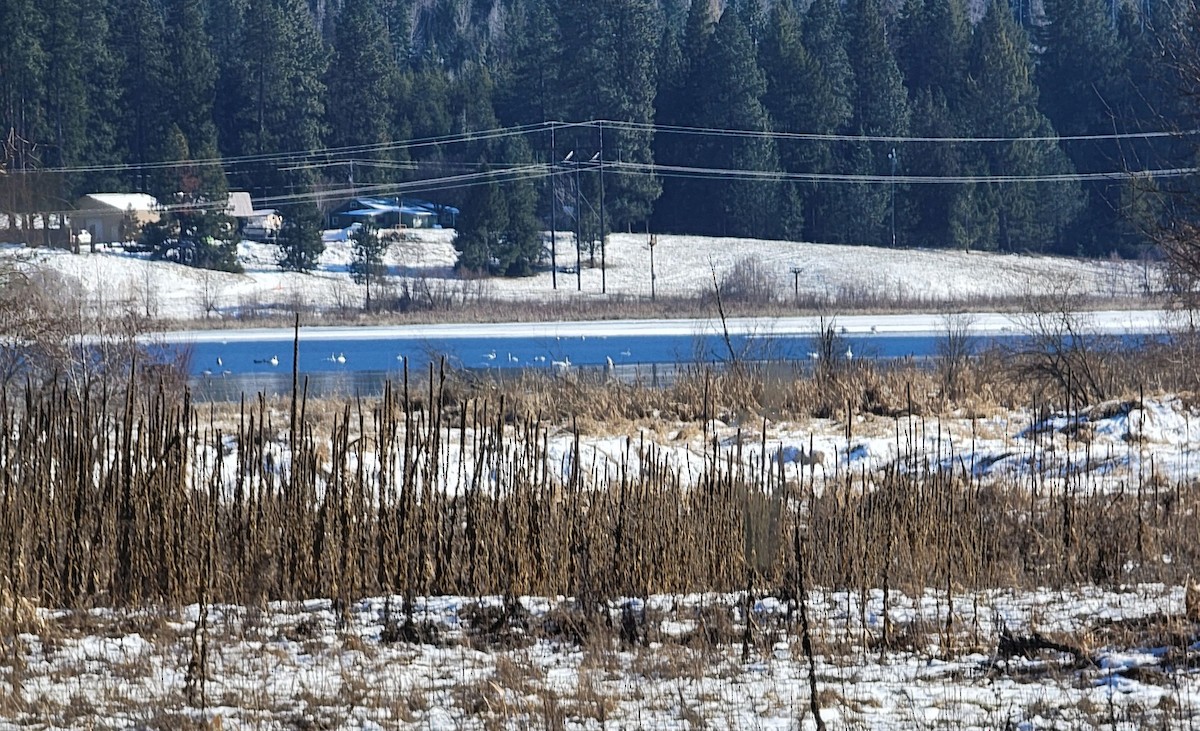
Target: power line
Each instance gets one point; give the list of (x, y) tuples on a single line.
[(832, 137), (315, 154), (322, 155), (681, 171)]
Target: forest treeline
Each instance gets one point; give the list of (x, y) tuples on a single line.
[(936, 123)]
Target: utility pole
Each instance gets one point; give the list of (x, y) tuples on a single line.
[(653, 243), (603, 232), (553, 205), (578, 234), (796, 283), (892, 157)]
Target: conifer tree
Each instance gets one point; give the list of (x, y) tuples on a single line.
[(279, 94), (138, 38), (826, 39), (360, 84), (300, 244), (799, 99), (880, 109), (498, 231), (528, 84), (935, 36), (191, 74), (608, 72), (22, 83), (680, 63), (366, 264), (482, 222), (195, 229), (101, 79), (731, 99), (1082, 81), (1000, 91), (66, 93)]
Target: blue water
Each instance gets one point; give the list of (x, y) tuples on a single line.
[(388, 356)]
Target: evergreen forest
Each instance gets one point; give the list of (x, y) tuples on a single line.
[(1031, 126)]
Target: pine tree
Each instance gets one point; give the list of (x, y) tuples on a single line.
[(682, 75), (22, 85), (929, 209), (279, 94), (934, 38), (528, 85), (1001, 93), (226, 24), (484, 217), (608, 72), (195, 230), (1082, 81), (731, 99), (191, 74), (360, 83), (300, 244), (880, 108), (366, 263), (138, 38), (397, 17), (799, 99), (65, 87), (498, 231), (101, 79), (826, 39)]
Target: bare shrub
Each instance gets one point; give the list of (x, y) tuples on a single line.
[(749, 282), (1061, 352), (954, 352)]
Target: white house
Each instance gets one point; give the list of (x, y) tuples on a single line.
[(104, 215)]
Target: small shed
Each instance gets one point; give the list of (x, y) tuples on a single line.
[(106, 216), (262, 225), (239, 205)]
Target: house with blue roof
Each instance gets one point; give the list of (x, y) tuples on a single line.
[(384, 212)]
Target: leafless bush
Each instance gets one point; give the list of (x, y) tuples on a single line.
[(211, 292), (749, 282), (954, 352), (1061, 352)]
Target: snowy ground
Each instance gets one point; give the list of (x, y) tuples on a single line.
[(1108, 448), (305, 665), (683, 266)]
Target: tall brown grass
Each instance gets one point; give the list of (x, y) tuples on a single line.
[(141, 497)]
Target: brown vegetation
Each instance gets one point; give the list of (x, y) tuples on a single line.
[(136, 497)]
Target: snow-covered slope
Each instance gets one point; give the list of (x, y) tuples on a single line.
[(684, 266)]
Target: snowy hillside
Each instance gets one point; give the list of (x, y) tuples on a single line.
[(683, 264)]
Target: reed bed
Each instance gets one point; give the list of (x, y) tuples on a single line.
[(138, 497)]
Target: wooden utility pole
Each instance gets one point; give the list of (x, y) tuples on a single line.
[(653, 242)]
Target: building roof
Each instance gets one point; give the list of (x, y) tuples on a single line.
[(119, 201), (239, 205)]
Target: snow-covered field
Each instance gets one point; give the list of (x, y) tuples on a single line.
[(1130, 651), (465, 664), (683, 267)]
